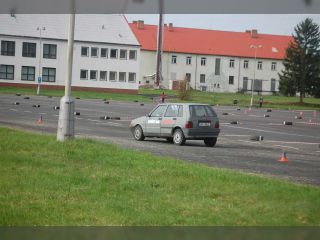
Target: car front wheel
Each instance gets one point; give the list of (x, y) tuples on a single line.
[(210, 142), (138, 133), (178, 137)]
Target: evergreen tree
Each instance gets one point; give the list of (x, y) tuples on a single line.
[(302, 62)]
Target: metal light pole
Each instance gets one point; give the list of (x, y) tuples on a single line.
[(254, 71), (159, 46), (66, 113), (40, 29)]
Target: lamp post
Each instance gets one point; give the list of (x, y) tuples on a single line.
[(255, 47), (66, 113), (40, 29)]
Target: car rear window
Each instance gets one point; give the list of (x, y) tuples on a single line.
[(201, 111)]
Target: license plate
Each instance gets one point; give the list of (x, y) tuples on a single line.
[(204, 124)]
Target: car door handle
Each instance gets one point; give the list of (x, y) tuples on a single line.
[(160, 118), (174, 118)]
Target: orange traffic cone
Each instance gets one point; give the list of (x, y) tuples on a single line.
[(40, 120), (283, 157)]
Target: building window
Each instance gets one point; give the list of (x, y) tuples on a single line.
[(273, 66), (104, 52), (132, 77), (132, 54), (93, 75), (188, 60), (123, 54), (246, 64), (202, 78), (273, 85), (7, 72), (188, 77), (113, 76), (103, 75), (245, 83), (122, 76), (231, 80), (94, 52), (8, 48), (231, 63), (29, 49), (203, 61), (217, 66), (50, 51), (218, 85), (259, 66), (173, 59), (48, 74), (114, 53), (28, 73), (84, 51), (83, 74)]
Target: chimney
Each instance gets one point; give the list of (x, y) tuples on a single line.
[(134, 21), (254, 33), (248, 31), (140, 24), (171, 27)]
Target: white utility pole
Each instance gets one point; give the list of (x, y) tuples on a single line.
[(40, 29), (159, 45), (66, 113), (254, 71)]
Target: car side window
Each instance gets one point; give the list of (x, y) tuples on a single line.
[(172, 111), (159, 111)]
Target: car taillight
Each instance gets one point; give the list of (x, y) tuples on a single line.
[(217, 125), (188, 125)]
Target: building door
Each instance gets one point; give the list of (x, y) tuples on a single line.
[(273, 85), (188, 77), (257, 85), (245, 83)]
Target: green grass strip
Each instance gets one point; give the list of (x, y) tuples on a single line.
[(84, 182)]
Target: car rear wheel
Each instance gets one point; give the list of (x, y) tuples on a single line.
[(138, 133), (178, 137), (210, 142)]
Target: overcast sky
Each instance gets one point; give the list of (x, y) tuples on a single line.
[(280, 24)]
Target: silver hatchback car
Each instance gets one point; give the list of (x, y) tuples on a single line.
[(178, 122)]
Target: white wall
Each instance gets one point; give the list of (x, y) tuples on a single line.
[(169, 70), (88, 63)]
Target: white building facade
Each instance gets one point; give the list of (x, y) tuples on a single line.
[(106, 52), (231, 67)]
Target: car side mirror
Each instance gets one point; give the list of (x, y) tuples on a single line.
[(148, 115)]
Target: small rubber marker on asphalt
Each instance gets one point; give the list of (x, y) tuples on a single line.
[(77, 113), (287, 123), (18, 94), (256, 138), (36, 105), (141, 104), (115, 118), (225, 113), (49, 96), (298, 117), (105, 118), (26, 97), (77, 98), (238, 109), (234, 122), (269, 110), (56, 107), (266, 115), (16, 103), (106, 102), (136, 101)]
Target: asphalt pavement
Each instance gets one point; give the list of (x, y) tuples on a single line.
[(234, 149)]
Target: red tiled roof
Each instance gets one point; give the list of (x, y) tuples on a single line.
[(212, 42)]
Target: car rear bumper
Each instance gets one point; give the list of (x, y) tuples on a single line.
[(196, 134)]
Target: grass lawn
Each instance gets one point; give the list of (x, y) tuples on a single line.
[(81, 94), (196, 96), (83, 182)]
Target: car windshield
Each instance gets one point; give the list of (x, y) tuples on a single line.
[(201, 111)]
